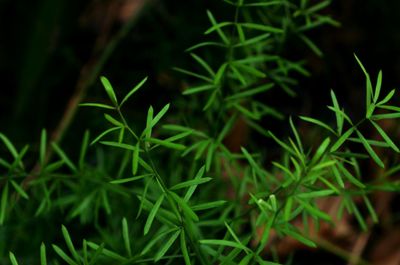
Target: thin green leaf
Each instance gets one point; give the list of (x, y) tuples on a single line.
[(125, 236), (314, 211), (69, 243), (136, 88), (206, 43), (152, 214), (238, 75), (119, 145), (319, 123), (143, 200), (369, 91), (342, 139), (208, 205), (338, 114), (190, 183), (311, 45), (287, 212), (386, 116), (19, 189), (282, 144), (210, 100), (300, 238), (370, 110), (97, 105), (13, 259), (350, 177), (189, 73), (321, 150), (227, 128), (385, 137), (184, 206), (159, 115), (82, 205), (64, 256), (161, 233), (234, 236), (210, 155), (285, 169), (269, 3), (166, 246), (218, 29), (323, 165), (63, 157), (107, 253), (85, 253), (109, 89), (254, 40), (370, 151), (343, 116), (84, 146), (317, 7), (247, 113), (121, 135), (220, 73), (371, 142), (42, 148), (261, 27), (371, 209), (192, 188), (5, 164), (357, 214), (378, 86), (387, 98), (179, 128), (106, 202), (333, 188), (53, 166), (184, 248), (265, 235), (9, 145), (250, 70), (43, 258), (390, 107), (166, 143), (178, 136), (315, 194), (113, 121), (339, 179), (147, 131), (242, 37), (226, 243), (296, 135), (103, 134), (198, 89), (135, 159), (96, 255), (246, 260), (204, 64), (121, 138), (18, 160)]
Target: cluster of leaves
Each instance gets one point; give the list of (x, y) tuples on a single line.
[(176, 178)]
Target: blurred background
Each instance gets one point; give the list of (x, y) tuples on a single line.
[(53, 51)]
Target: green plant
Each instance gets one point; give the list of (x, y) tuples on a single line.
[(175, 193)]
